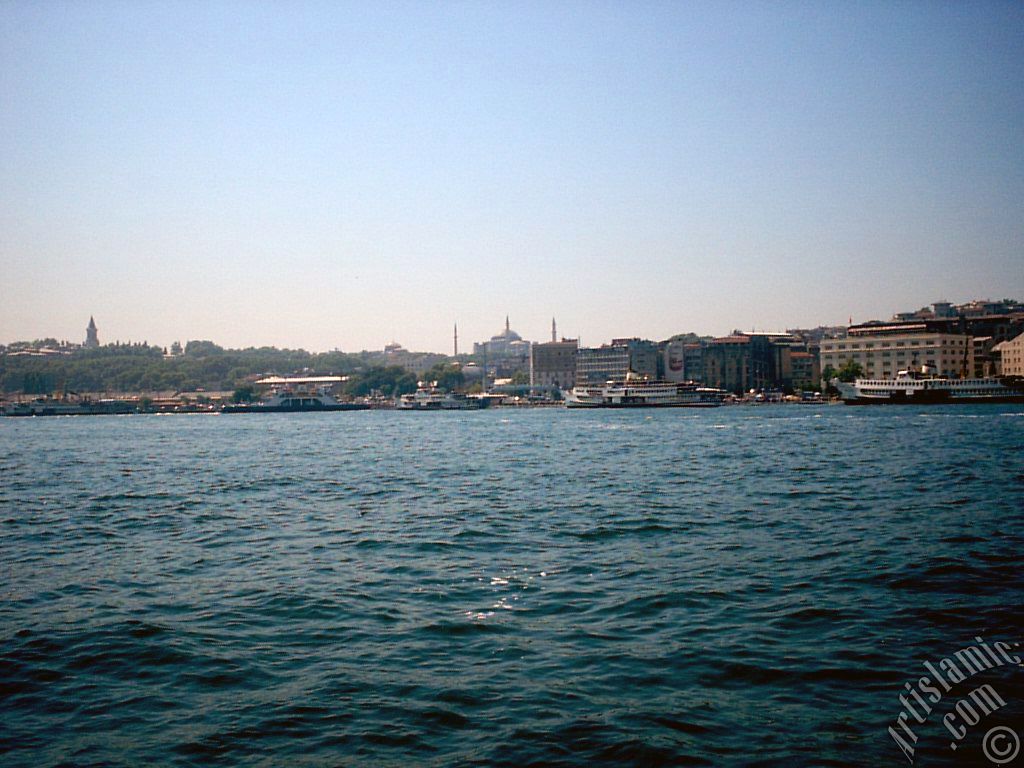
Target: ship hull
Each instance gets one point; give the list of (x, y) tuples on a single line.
[(453, 406), (257, 408), (930, 391), (577, 404), (933, 400), (102, 408)]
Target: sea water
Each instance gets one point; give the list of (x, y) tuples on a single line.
[(732, 586)]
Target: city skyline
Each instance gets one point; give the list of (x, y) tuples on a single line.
[(92, 334), (324, 176)]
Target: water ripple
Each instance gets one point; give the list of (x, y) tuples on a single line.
[(743, 586)]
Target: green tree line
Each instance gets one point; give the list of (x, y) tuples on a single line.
[(121, 368), (142, 368)]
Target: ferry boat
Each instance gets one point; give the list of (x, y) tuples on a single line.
[(428, 397), (46, 406), (642, 393), (297, 394), (924, 387)]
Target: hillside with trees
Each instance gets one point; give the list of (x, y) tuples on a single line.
[(121, 368)]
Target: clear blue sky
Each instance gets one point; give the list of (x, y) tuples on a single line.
[(340, 175)]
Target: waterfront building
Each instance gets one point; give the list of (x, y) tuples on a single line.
[(1011, 356), (553, 364), (745, 361), (682, 358), (984, 356), (673, 363), (92, 339), (883, 350), (693, 361), (597, 365), (806, 370), (728, 363), (611, 362)]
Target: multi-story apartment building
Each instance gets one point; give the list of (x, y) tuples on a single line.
[(728, 363), (553, 364), (611, 362), (806, 372), (693, 361), (745, 361)]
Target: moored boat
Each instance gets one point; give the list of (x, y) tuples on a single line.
[(46, 406), (297, 394), (637, 392), (428, 397), (922, 387)]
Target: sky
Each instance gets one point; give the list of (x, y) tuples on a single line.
[(343, 175)]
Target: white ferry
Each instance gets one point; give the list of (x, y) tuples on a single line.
[(428, 397), (639, 392), (297, 393), (924, 387)]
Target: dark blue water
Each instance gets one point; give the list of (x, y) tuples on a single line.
[(739, 586)]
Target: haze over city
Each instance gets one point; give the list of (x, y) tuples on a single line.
[(344, 175)]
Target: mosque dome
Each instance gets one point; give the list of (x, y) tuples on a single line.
[(507, 334)]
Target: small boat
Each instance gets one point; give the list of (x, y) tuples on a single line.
[(297, 394)]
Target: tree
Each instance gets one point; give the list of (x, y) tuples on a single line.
[(827, 374), (202, 348), (448, 377), (140, 367), (391, 380), (849, 371)]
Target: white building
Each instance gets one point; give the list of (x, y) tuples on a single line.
[(883, 352), (1011, 355)]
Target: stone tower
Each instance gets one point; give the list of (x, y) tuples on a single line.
[(92, 340)]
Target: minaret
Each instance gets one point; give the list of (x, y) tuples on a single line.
[(91, 338), (506, 324), (456, 340), (554, 335)]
